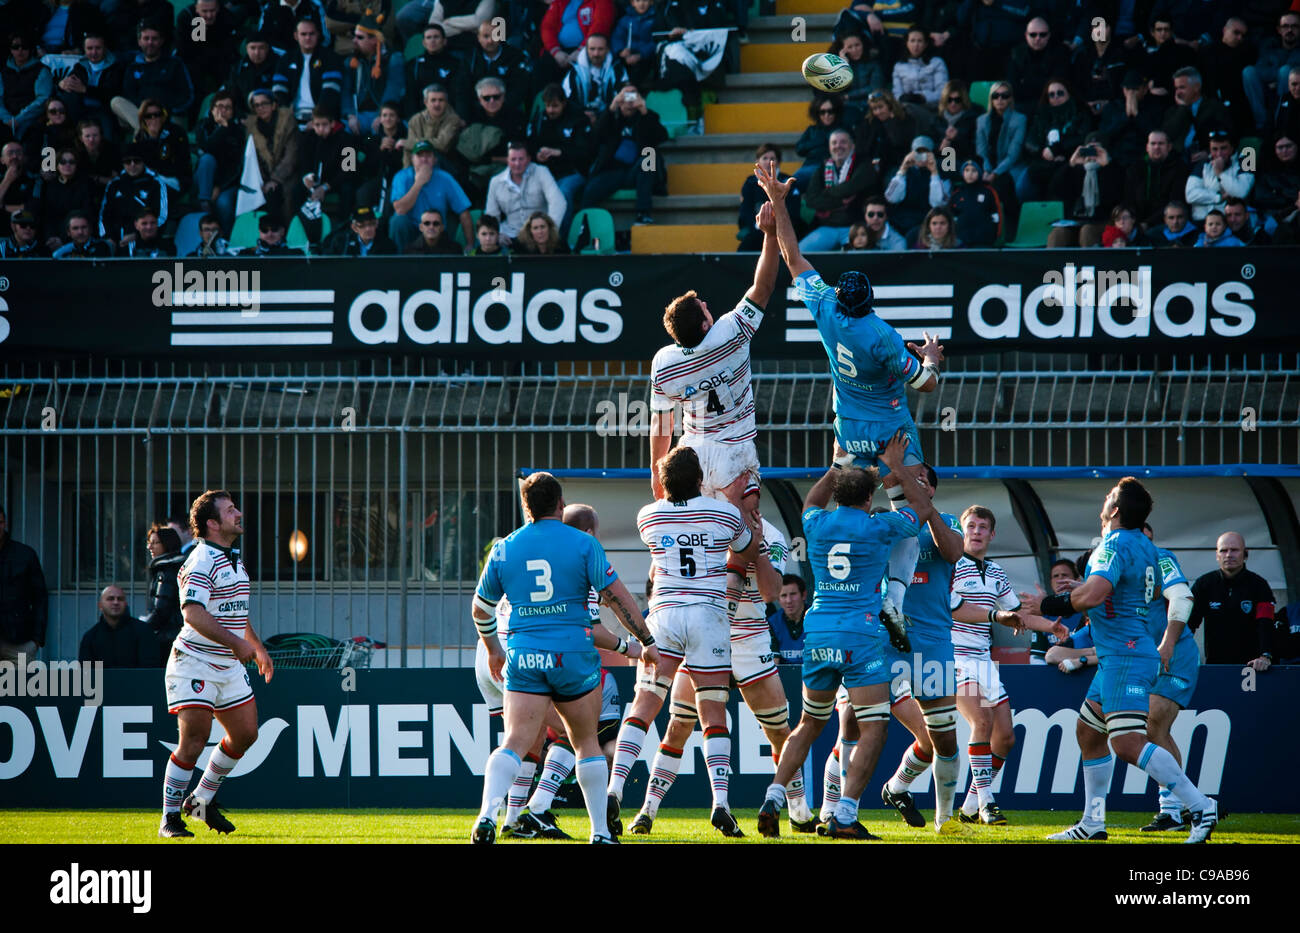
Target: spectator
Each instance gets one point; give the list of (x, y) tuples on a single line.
[(1216, 232), (24, 240), (836, 194), (1271, 71), (99, 159), (421, 187), (126, 19), (919, 76), (626, 138), (438, 122), (118, 639), (359, 238), (220, 139), (1279, 183), (64, 23), (373, 75), (540, 237), (1178, 230), (342, 17), (936, 232), (884, 138), (155, 74), (1154, 181), (148, 241), (859, 239), (323, 165), (386, 152), (25, 85), (1286, 121), (1062, 579), (1242, 225), (69, 190), (494, 59), (1221, 176), (1123, 230), (492, 125), (280, 20), (51, 132), (683, 63), (632, 41), (594, 76), (827, 115), (275, 140), (521, 191), (1037, 61), (1058, 128), (308, 76), (89, 87), (1073, 653), (181, 523), (1127, 121), (993, 28), (435, 65), (958, 118), (1000, 145), (917, 186), (208, 48), (1236, 607), (211, 246), (867, 76), (1222, 64), (1191, 121), (786, 623), (270, 242), (1098, 67), (1088, 185), (488, 237), (752, 197), (453, 16), (434, 239), (975, 207), (134, 187), (561, 137), (24, 601), (1159, 57), (255, 71), (163, 601), (565, 29), (881, 234), (79, 243), (165, 146), (18, 187)]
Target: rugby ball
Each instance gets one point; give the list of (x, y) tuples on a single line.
[(827, 72)]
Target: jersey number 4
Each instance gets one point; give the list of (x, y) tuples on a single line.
[(715, 403)]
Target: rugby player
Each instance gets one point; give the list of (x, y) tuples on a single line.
[(1123, 580), (688, 535), (869, 368), (547, 570), (205, 674), (844, 642)]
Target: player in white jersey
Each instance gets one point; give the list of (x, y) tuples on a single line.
[(706, 370), (695, 542), (981, 597), (205, 673)]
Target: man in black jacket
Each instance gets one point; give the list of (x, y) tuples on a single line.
[(88, 89), (324, 86), (24, 601), (323, 166), (117, 639), (135, 187), (210, 47), (560, 134), (270, 240), (495, 59), (1236, 605), (435, 65), (360, 238), (626, 137), (255, 70), (24, 241), (155, 73), (1033, 62), (1154, 181)]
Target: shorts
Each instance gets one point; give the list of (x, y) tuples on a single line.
[(193, 683), (697, 634), (560, 675), (866, 439), (722, 462), (1124, 683), (982, 670), (493, 692), (849, 658), (607, 731), (752, 659), (929, 672), (1184, 667)]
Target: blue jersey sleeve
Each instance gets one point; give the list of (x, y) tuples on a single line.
[(1171, 574), (490, 587), (599, 570), (816, 295), (902, 524), (1105, 560)]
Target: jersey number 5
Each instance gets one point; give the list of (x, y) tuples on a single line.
[(844, 357), (544, 589), (687, 561)]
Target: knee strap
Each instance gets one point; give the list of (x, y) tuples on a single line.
[(941, 719), (1121, 723), (775, 717), (876, 712), (660, 686), (684, 711), (818, 710), (712, 694), (1091, 719)]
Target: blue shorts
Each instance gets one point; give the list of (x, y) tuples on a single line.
[(1123, 683), (854, 659), (929, 670), (1180, 683), (561, 675), (866, 439)]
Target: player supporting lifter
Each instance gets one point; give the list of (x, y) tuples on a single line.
[(844, 641), (1124, 578), (205, 671), (688, 535), (547, 570), (869, 368)]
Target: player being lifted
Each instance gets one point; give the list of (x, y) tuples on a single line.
[(844, 641), (547, 569), (689, 535), (869, 368), (205, 671), (1123, 579)]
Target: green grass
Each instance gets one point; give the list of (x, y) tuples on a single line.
[(676, 825)]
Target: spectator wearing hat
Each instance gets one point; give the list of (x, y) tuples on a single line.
[(917, 186), (374, 74), (423, 186), (521, 190), (1127, 120), (270, 239), (360, 238), (435, 65), (256, 70), (134, 187), (80, 241), (434, 240), (975, 207), (23, 241)]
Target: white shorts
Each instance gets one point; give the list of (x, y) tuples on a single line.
[(983, 671), (899, 690), (193, 683), (699, 635), (752, 659), (493, 691), (722, 462)]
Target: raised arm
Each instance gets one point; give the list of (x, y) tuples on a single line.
[(769, 260), (620, 601), (820, 495), (661, 438), (776, 193)]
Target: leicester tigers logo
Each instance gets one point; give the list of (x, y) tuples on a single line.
[(196, 686)]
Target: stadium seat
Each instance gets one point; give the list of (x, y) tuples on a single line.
[(296, 236), (187, 236), (979, 93), (600, 226), (244, 233), (671, 110), (1036, 219), (459, 235), (684, 238), (414, 46)]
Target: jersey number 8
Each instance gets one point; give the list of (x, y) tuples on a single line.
[(1149, 590)]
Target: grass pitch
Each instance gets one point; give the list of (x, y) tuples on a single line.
[(80, 827)]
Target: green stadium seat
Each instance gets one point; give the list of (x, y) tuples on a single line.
[(187, 237), (297, 233), (1036, 219), (459, 235), (600, 225), (671, 110), (244, 232), (414, 47), (979, 93)]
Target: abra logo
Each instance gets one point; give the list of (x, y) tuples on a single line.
[(537, 661), (453, 314)]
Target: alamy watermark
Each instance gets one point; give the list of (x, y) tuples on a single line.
[(35, 678), (207, 287)]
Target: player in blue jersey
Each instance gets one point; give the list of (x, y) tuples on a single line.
[(1123, 582), (546, 569), (844, 641), (870, 368)]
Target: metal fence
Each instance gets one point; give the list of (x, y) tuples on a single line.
[(397, 475)]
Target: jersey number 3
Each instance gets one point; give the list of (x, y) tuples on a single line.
[(544, 589)]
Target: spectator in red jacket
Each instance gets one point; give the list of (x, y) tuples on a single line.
[(565, 29)]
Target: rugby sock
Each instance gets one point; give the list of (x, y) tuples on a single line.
[(717, 758), (902, 564), (945, 785), (663, 772), (1096, 784), (219, 765), (559, 762), (502, 766), (523, 783), (592, 773), (846, 811), (981, 776), (832, 777), (998, 762), (1171, 805), (776, 793), (915, 761), (631, 736), (800, 812), (1161, 765), (176, 781)]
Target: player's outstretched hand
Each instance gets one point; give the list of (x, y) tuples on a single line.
[(1060, 631), (1032, 602), (1011, 620), (892, 455), (766, 219), (265, 666), (930, 351), (768, 180)]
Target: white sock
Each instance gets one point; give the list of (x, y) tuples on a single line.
[(945, 785), (775, 793), (518, 793), (717, 758), (800, 812), (631, 736), (1161, 765), (1171, 805), (176, 781), (1096, 785), (846, 811), (502, 766), (558, 764), (592, 774), (909, 769), (902, 564), (833, 777), (663, 772), (220, 764)]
